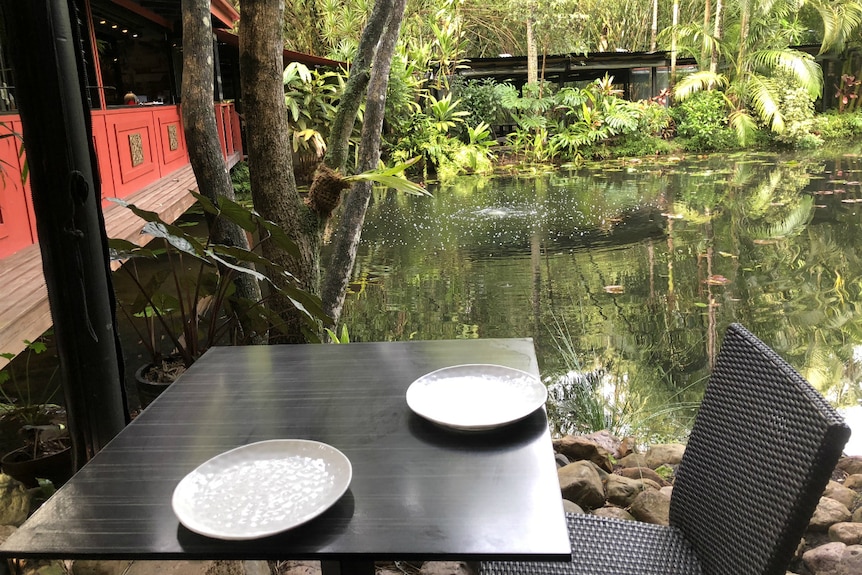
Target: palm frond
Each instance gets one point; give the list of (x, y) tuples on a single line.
[(792, 224), (761, 94), (743, 124), (697, 82), (801, 65)]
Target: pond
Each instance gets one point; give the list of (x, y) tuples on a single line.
[(627, 274)]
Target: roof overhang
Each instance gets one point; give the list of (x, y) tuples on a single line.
[(232, 39)]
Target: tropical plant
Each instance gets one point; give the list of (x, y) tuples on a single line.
[(752, 52), (26, 400), (192, 301), (483, 101), (701, 122), (310, 97), (848, 93)]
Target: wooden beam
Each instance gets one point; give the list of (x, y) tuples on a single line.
[(141, 11)]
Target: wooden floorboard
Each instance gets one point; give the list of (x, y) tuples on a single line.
[(24, 309)]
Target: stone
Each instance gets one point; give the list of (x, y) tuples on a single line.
[(627, 447), (633, 460), (667, 490), (851, 561), (669, 453), (561, 460), (298, 567), (92, 567), (651, 507), (824, 558), (857, 516), (851, 465), (572, 507), (642, 473), (854, 482), (14, 501), (578, 447), (445, 568), (603, 473), (580, 483), (846, 532), (606, 440), (622, 491), (841, 494), (184, 568), (828, 512), (615, 512)]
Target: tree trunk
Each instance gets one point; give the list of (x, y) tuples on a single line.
[(716, 32), (346, 240), (673, 44), (201, 131), (273, 186), (532, 51), (360, 72), (270, 164), (744, 25), (654, 28)]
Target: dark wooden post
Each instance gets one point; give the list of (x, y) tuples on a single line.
[(49, 86)]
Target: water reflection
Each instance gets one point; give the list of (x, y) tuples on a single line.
[(631, 271)]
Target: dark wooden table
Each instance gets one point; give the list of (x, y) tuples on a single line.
[(419, 491)]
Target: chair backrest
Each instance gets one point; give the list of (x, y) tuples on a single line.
[(761, 451)]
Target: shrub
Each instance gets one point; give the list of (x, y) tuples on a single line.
[(797, 107), (838, 128), (483, 100), (240, 180), (702, 122)]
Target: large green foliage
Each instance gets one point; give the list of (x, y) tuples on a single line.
[(702, 122)]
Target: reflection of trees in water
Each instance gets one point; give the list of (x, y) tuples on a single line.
[(693, 245)]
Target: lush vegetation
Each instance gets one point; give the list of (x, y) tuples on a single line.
[(751, 88)]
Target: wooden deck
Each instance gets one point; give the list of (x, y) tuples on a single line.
[(24, 309)]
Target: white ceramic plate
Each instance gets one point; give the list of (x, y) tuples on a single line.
[(262, 488), (474, 397)]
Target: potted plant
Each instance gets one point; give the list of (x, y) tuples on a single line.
[(42, 446), (189, 302)]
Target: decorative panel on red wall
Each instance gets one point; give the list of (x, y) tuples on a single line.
[(134, 152), (16, 214), (172, 141)]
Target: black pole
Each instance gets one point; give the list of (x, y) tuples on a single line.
[(49, 74)]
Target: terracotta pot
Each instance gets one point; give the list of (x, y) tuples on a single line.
[(55, 466)]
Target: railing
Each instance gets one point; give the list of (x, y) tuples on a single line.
[(135, 147)]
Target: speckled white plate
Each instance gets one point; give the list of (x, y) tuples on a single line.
[(262, 488), (475, 397)]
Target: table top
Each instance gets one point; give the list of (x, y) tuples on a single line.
[(419, 491)]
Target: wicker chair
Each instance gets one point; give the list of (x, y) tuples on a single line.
[(761, 451)]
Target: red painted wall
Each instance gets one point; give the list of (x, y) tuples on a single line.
[(134, 148)]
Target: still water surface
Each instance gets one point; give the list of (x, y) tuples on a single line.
[(626, 275)]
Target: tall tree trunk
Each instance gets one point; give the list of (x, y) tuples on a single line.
[(673, 43), (716, 33), (270, 163), (532, 50), (744, 25), (201, 131), (347, 237), (654, 28), (351, 99)]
